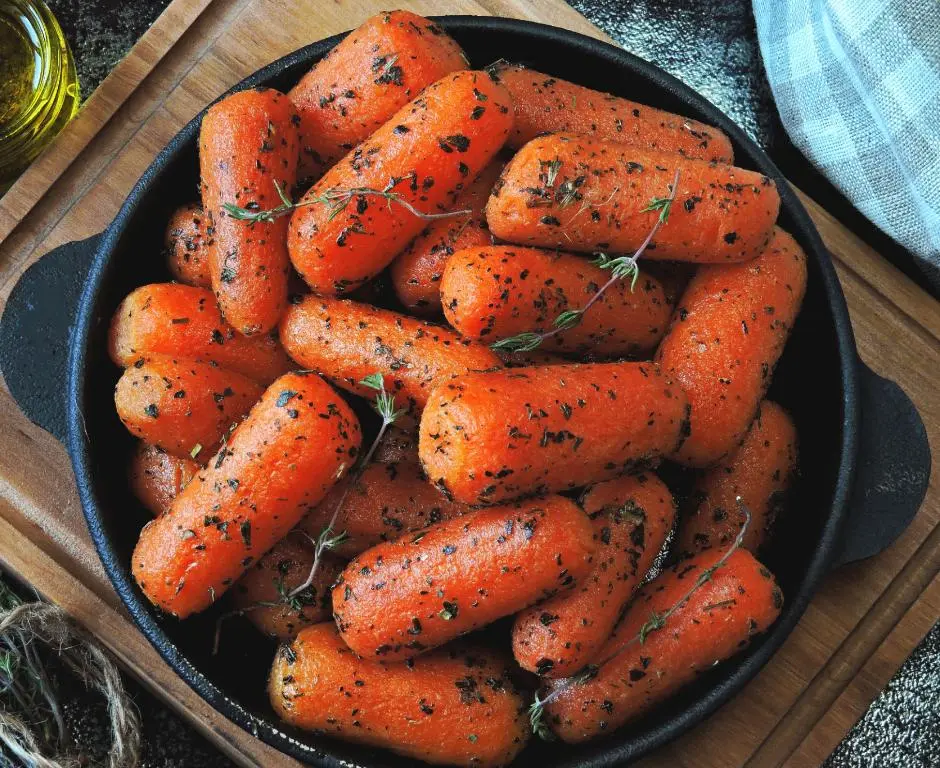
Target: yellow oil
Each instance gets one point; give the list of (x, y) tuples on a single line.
[(39, 90)]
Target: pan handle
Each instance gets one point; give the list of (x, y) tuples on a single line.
[(36, 329), (892, 469)]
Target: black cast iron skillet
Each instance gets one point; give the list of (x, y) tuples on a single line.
[(865, 459)]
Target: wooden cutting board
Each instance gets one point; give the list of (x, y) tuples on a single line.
[(862, 624)]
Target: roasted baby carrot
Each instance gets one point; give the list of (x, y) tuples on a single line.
[(295, 444), (365, 210), (580, 194), (456, 706), (263, 594), (632, 516), (156, 478), (397, 445), (378, 68), (406, 596), (416, 273), (347, 341), (487, 437), (759, 472), (183, 406), (492, 293), (186, 245), (726, 337), (546, 104), (248, 149), (385, 501), (180, 320), (740, 600)]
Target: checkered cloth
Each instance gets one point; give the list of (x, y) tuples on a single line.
[(857, 83)]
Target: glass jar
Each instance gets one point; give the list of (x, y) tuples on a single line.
[(39, 90)]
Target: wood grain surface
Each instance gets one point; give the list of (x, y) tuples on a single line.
[(862, 624)]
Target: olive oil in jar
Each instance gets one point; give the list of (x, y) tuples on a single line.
[(39, 90)]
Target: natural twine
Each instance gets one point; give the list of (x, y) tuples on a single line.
[(82, 655)]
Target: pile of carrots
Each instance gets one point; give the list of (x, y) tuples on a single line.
[(393, 227)]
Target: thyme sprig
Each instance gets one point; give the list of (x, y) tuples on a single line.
[(620, 267), (655, 623)]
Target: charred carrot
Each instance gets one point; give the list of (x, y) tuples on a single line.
[(406, 596), (183, 406), (492, 293), (364, 211), (632, 516), (248, 149), (157, 478), (294, 445), (726, 337), (456, 706), (378, 68), (738, 601), (186, 244), (347, 341), (180, 320), (263, 593), (564, 191), (487, 437), (759, 472), (416, 273), (546, 104)]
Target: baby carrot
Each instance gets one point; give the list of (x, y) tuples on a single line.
[(632, 517), (564, 191), (545, 104), (406, 596), (364, 211), (156, 478), (294, 445), (492, 293), (182, 406), (487, 437), (759, 472), (397, 445), (726, 337), (456, 706), (416, 273), (378, 68), (740, 600), (180, 320), (248, 149), (186, 244), (347, 341)]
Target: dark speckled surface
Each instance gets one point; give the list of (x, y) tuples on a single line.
[(712, 47)]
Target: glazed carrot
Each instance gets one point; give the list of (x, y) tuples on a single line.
[(532, 357), (263, 592), (397, 445), (346, 342), (171, 319), (456, 706), (156, 478), (385, 501), (740, 600), (726, 337), (294, 445), (406, 596), (545, 104), (760, 472), (564, 191), (378, 68), (492, 293), (422, 156), (632, 516), (186, 244), (487, 437), (183, 406), (248, 149), (416, 273)]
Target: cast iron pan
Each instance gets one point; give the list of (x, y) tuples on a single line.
[(865, 459)]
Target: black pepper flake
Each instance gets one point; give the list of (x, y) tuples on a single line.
[(400, 130), (152, 411), (547, 619), (550, 220), (477, 113), (730, 237), (245, 530)]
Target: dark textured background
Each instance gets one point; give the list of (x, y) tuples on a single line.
[(712, 47)]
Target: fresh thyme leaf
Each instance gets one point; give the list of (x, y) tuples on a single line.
[(374, 381), (661, 204), (568, 319), (524, 342)]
